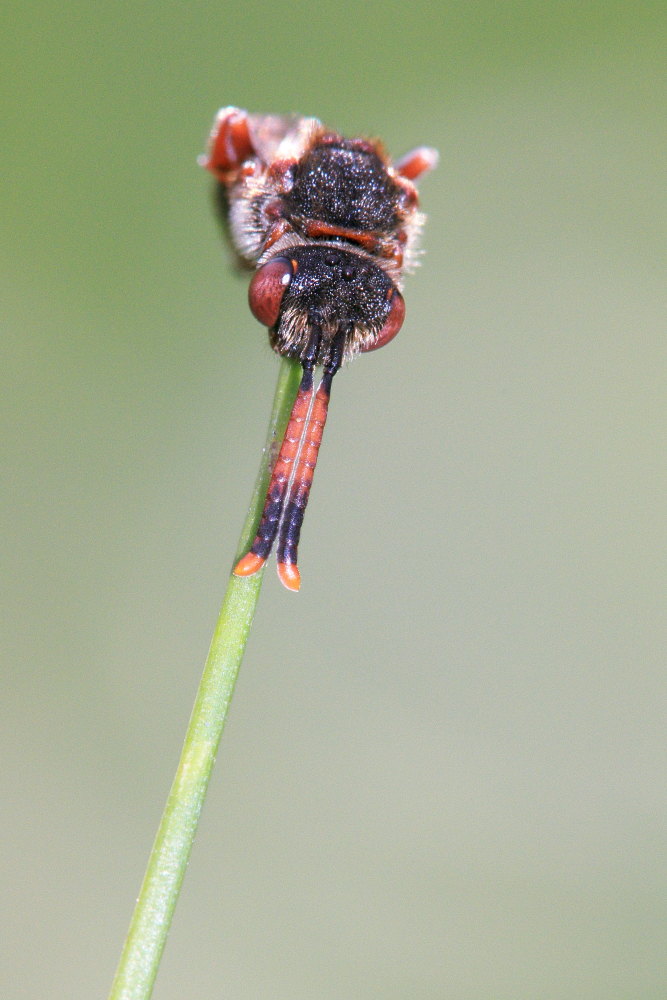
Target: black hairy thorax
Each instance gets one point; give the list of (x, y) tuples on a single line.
[(343, 185)]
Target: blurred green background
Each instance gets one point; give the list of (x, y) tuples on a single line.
[(444, 770)]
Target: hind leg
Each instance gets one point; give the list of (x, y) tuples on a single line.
[(229, 144)]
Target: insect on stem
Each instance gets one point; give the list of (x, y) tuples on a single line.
[(330, 225)]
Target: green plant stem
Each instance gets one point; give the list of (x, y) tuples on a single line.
[(169, 856)]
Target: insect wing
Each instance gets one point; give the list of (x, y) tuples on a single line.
[(282, 137)]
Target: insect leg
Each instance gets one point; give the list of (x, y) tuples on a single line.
[(417, 162), (229, 144), (302, 478)]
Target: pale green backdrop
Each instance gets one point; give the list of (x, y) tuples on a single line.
[(444, 771)]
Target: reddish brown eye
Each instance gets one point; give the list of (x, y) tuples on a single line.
[(267, 288), (393, 322)]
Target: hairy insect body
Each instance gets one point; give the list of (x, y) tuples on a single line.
[(330, 226)]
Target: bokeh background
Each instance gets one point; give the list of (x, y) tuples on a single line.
[(444, 770)]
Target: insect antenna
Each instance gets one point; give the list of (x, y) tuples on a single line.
[(298, 491), (284, 468)]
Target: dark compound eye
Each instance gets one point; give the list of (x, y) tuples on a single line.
[(393, 322), (267, 289)]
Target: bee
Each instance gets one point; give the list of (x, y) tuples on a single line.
[(330, 226)]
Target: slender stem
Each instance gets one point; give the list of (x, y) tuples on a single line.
[(154, 909)]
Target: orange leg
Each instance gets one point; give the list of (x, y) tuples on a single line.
[(417, 162), (229, 144)]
